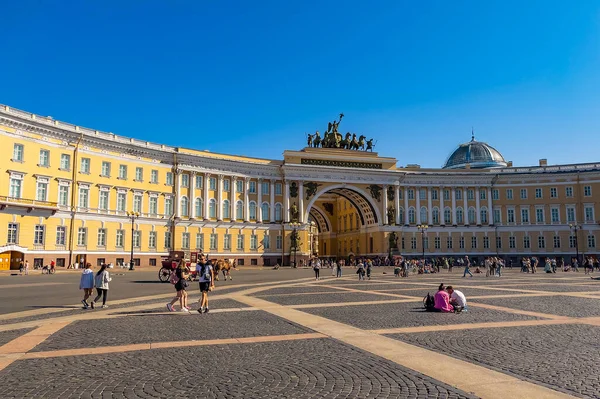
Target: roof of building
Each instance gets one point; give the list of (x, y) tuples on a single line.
[(475, 154)]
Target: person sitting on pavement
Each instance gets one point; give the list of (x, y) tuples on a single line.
[(442, 301), (457, 299)]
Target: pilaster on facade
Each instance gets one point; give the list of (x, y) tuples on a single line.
[(453, 193), (246, 199), (418, 199), (259, 215), (442, 212), (397, 204), (219, 205), (384, 205), (406, 213), (477, 205), (301, 201), (233, 204), (286, 202), (206, 202), (272, 198), (466, 206)]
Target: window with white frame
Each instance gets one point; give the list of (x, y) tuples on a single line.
[(411, 215), (498, 242), (82, 236), (226, 185), (239, 210), (61, 235), (139, 174), (227, 242), (105, 170), (212, 183), (512, 242), (252, 210), (168, 206), (422, 194), (449, 242), (591, 241), (539, 215), (447, 216), (553, 192), (437, 243), (137, 239), (167, 242), (152, 239), (198, 208), (279, 242), (572, 240), (185, 180), (589, 213), (84, 196), (226, 209), (541, 242), (137, 203), (486, 242), (278, 213), (264, 187), (555, 215), (121, 201), (253, 242), (184, 207), (473, 242), (169, 179), (278, 189), (13, 233), (266, 241), (495, 194), (42, 189), (470, 194), (526, 242), (510, 215), (200, 241), (482, 193), (570, 214), (123, 172), (101, 237), (460, 219), (424, 215), (38, 234), (497, 216), (153, 205), (509, 193), (65, 162), (154, 176), (569, 192), (458, 194), (524, 215), (252, 187), (471, 215), (240, 242), (103, 199), (413, 243), (434, 194), (199, 182), (538, 193), (446, 195), (63, 194), (213, 242), (435, 216), (212, 208), (556, 241), (18, 151), (483, 215), (85, 166), (265, 212), (411, 194), (461, 243), (185, 240), (523, 193), (587, 191), (239, 186)]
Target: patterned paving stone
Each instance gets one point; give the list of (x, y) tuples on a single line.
[(213, 304), (317, 368), (7, 336), (556, 287), (293, 290), (562, 357), (557, 305), (171, 327), (327, 298), (407, 315), (468, 291)]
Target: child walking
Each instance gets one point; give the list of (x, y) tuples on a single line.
[(86, 284), (102, 279)]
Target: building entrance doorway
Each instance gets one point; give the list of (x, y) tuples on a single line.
[(11, 260)]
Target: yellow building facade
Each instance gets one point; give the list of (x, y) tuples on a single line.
[(73, 194)]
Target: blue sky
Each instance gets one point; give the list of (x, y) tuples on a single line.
[(252, 78)]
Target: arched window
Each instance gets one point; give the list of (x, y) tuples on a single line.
[(265, 211), (252, 210), (424, 215), (447, 215), (435, 215), (226, 210), (185, 206), (401, 215), (411, 215), (278, 213), (239, 210), (212, 208), (198, 208), (471, 215), (484, 215), (459, 216)]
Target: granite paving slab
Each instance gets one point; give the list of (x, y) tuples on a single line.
[(7, 336), (327, 298), (557, 305)]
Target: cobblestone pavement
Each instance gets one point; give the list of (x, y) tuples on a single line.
[(557, 287), (7, 336), (328, 298), (558, 305), (320, 368), (564, 357)]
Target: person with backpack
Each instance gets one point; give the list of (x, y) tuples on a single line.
[(442, 301), (86, 283), (206, 278), (178, 279), (101, 282)]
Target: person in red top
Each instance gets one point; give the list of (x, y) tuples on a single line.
[(52, 264), (442, 300)]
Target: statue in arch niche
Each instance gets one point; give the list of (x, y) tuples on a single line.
[(294, 213), (375, 191), (293, 190), (391, 214), (393, 240)]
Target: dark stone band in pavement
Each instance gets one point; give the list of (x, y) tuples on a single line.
[(7, 336)]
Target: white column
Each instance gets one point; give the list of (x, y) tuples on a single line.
[(286, 202), (301, 201), (465, 209), (429, 206), (246, 199), (442, 213), (453, 206), (220, 198), (206, 199), (406, 220), (233, 197), (192, 192), (259, 215), (418, 210), (177, 203), (490, 210), (385, 206), (477, 207), (397, 205), (272, 206)]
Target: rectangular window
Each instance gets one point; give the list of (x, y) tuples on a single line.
[(13, 233), (15, 187), (169, 179), (137, 203), (470, 194), (510, 215), (266, 242), (523, 193), (555, 215), (18, 153), (495, 194), (212, 183), (185, 240), (413, 243), (63, 195), (589, 213), (185, 180), (85, 166), (123, 172), (541, 242), (121, 202), (61, 235), (82, 236), (105, 171), (437, 243), (591, 241), (167, 242), (103, 200), (139, 174), (264, 188), (200, 241), (509, 194), (556, 241), (252, 187), (199, 182), (449, 242), (512, 243), (497, 216), (213, 242), (526, 242), (587, 191), (486, 242), (461, 243), (278, 189), (411, 194), (426, 243), (446, 195), (253, 241), (458, 194), (434, 194), (153, 206), (42, 190), (168, 206), (227, 242), (572, 241), (152, 239), (65, 162), (422, 194), (538, 193), (279, 242), (120, 238), (154, 176), (473, 242), (101, 237), (239, 186), (499, 242), (569, 192), (226, 185), (482, 193), (38, 234), (240, 242), (553, 192), (84, 192), (524, 215), (539, 215)]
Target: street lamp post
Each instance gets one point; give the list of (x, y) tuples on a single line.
[(295, 241), (132, 216), (575, 228), (422, 228)]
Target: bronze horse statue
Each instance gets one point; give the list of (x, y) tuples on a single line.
[(361, 141)]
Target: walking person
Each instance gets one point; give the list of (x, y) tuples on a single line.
[(178, 280), (26, 267), (21, 267), (206, 276), (361, 271), (467, 267), (369, 268), (86, 284), (338, 269), (317, 268), (101, 281)]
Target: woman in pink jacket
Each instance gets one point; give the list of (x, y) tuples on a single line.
[(442, 300)]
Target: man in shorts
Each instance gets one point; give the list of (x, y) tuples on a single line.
[(206, 276), (457, 299)]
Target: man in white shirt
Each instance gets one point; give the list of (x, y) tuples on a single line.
[(457, 299), (206, 276)]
